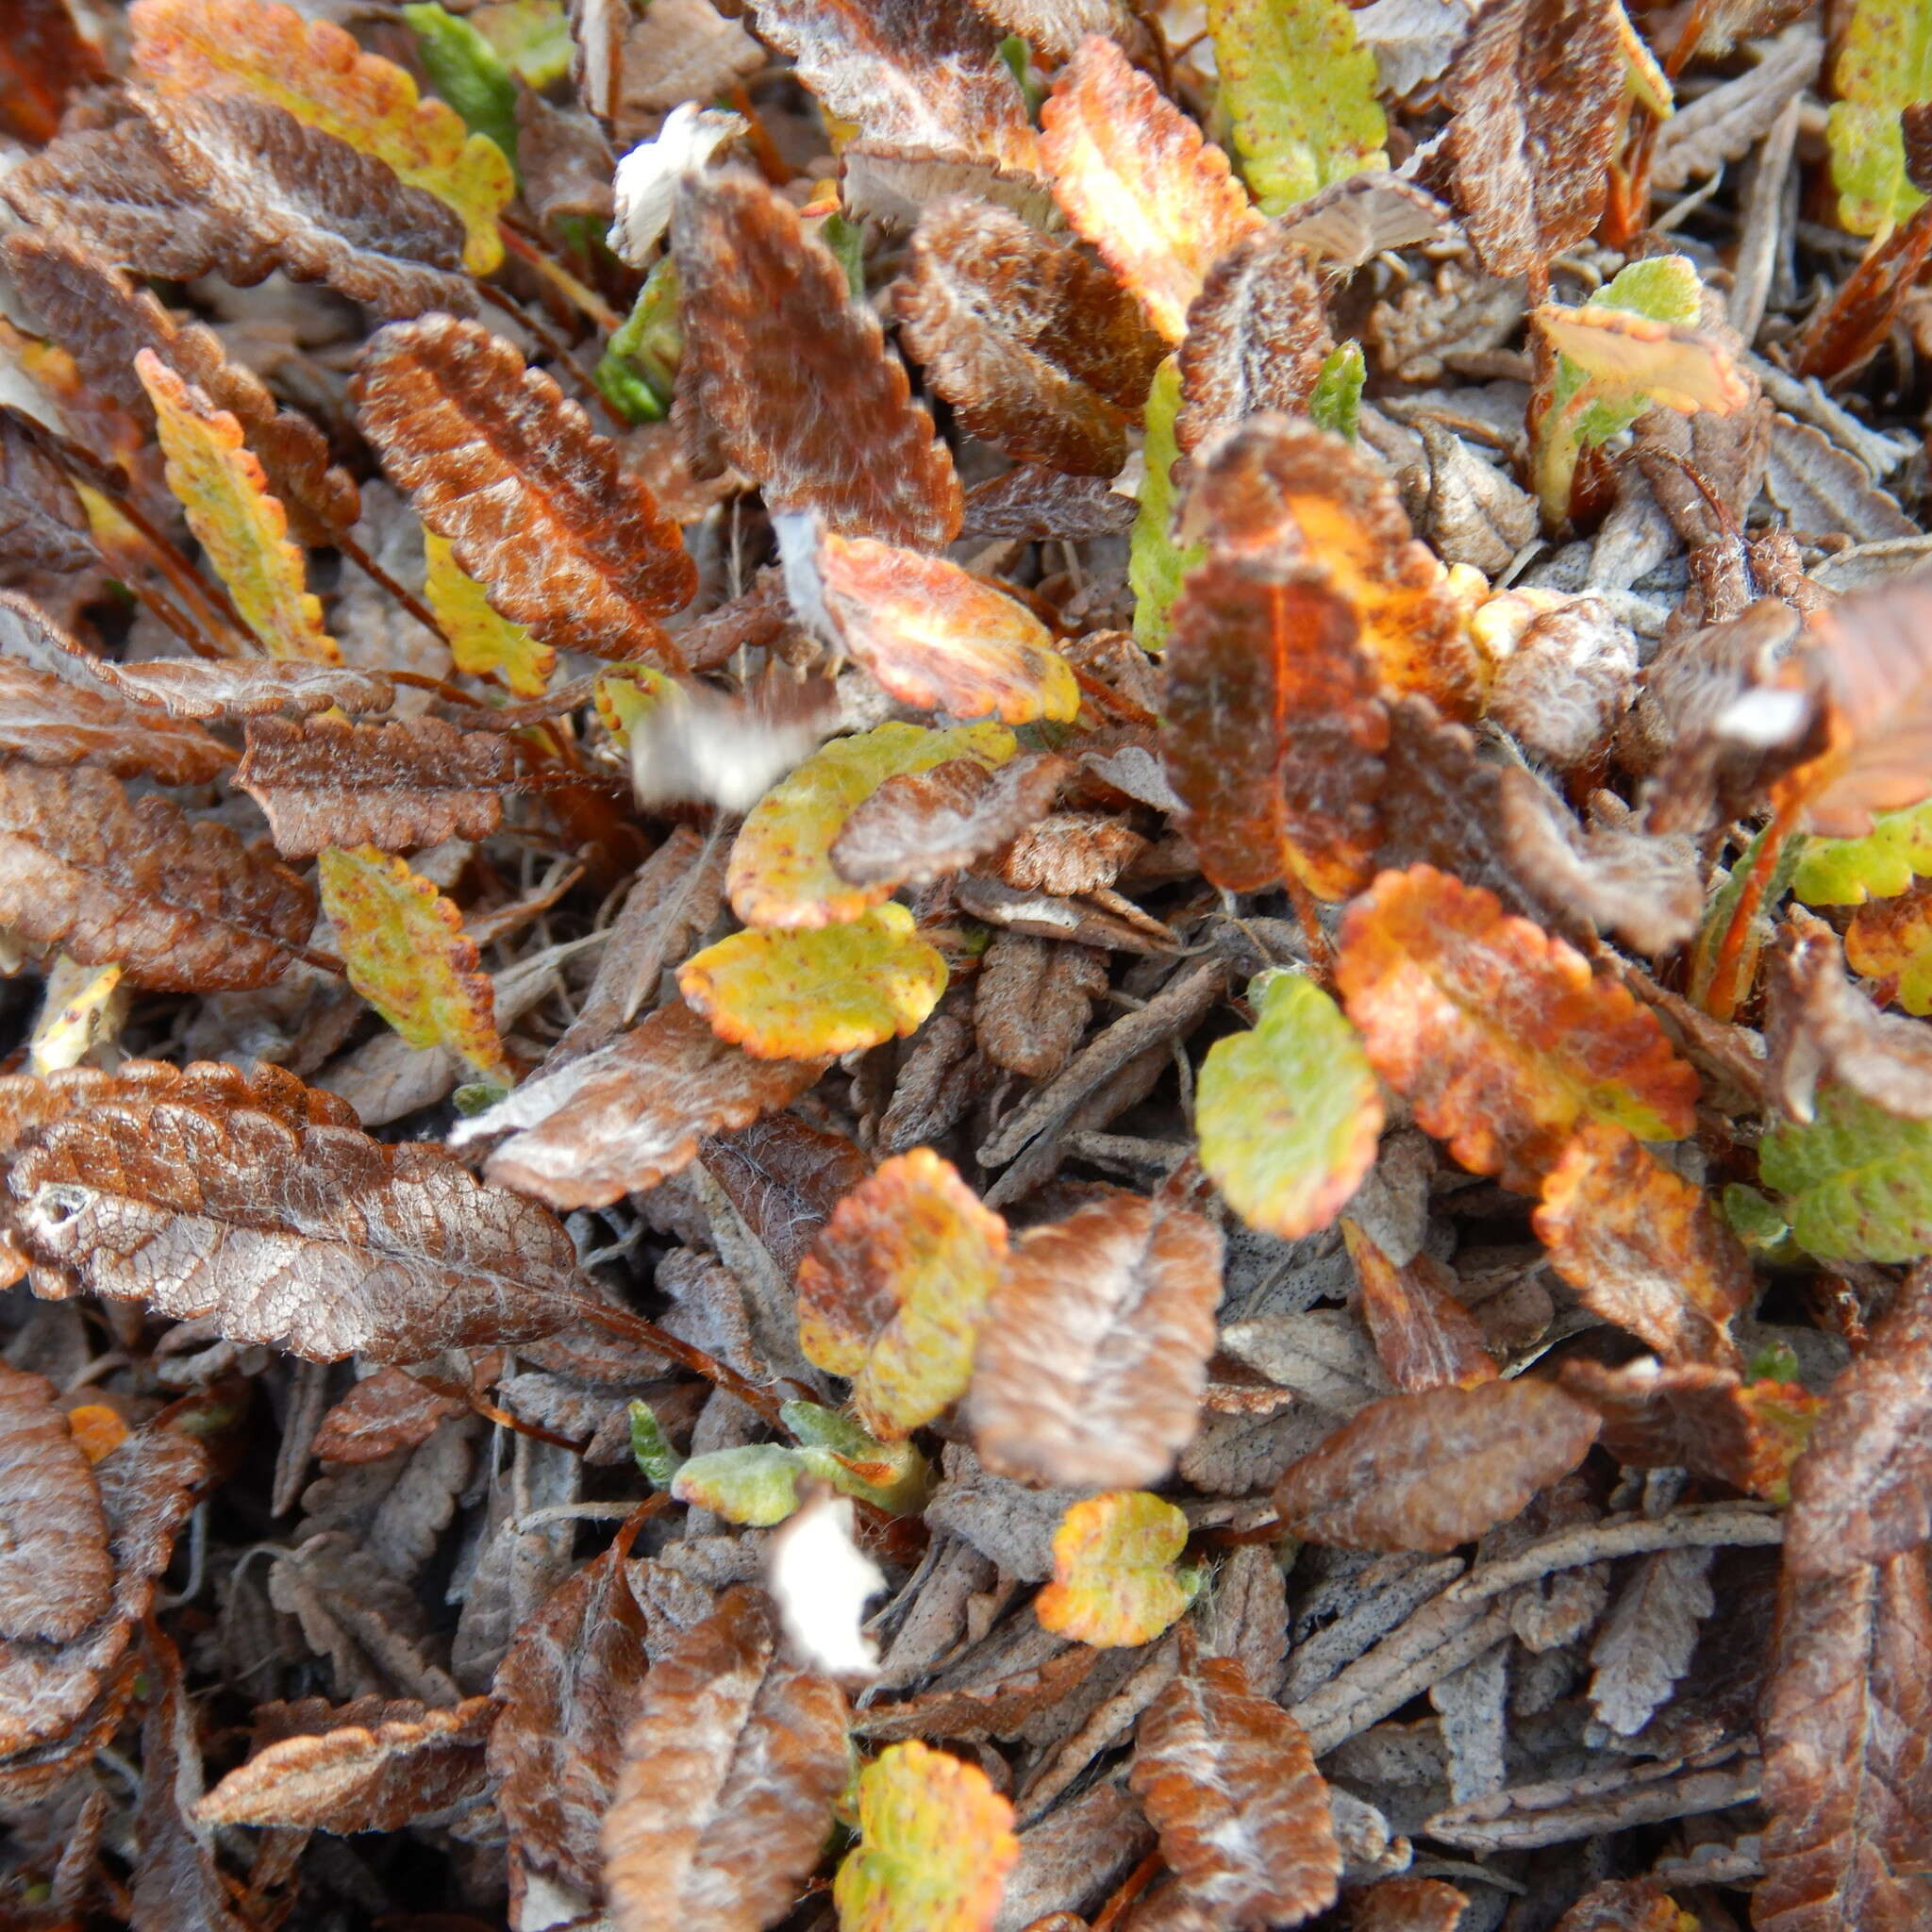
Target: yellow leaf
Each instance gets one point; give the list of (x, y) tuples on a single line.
[(895, 1290), (243, 529), (1114, 1581), (626, 693), (315, 70), (781, 871), (403, 946), (82, 1007), (804, 995), (482, 642), (937, 1843), (936, 636)]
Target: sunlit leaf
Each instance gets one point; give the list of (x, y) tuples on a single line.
[(1883, 63), (756, 1484), (781, 872), (894, 1291), (935, 1844), (1855, 1182), (467, 71), (243, 529), (826, 990), (404, 949), (315, 70), (1893, 937), (1847, 872), (1301, 92), (1499, 1033), (482, 643), (1289, 1115), (1115, 1580)]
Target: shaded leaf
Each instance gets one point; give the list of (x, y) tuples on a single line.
[(785, 1177), (259, 1202), (815, 994), (1429, 1470), (1094, 1357), (1039, 350), (1301, 93), (1497, 1032), (938, 639), (894, 1291), (1156, 561), (1409, 1905), (384, 1413), (1227, 1779), (535, 505), (244, 530), (935, 1844), (794, 377), (1892, 938), (404, 952), (1645, 1643), (1855, 1182), (781, 872), (56, 1573), (724, 1793), (182, 904), (315, 70), (481, 643), (1133, 177), (920, 825), (370, 1765), (1289, 1115), (1424, 1334), (628, 1116), (1114, 1581)]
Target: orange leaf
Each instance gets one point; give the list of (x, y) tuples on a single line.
[(1133, 177), (1497, 1032), (938, 638), (1114, 1581)]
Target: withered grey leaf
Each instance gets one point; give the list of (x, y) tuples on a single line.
[(1350, 223), (228, 687), (1033, 502), (1645, 1643), (1033, 999), (920, 825), (42, 527)]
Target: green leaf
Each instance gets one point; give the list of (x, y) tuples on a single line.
[(1289, 1115), (1847, 872), (893, 1476), (1755, 1219), (1856, 1183), (1335, 403), (756, 1485), (1156, 563), (1019, 58), (1707, 948), (655, 1456), (638, 368), (531, 38), (846, 241), (1300, 91), (468, 73), (1883, 63)]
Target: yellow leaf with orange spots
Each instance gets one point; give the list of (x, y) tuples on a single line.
[(1114, 1575)]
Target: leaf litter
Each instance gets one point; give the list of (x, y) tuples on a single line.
[(1025, 1027)]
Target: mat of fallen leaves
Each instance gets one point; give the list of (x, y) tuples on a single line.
[(966, 966)]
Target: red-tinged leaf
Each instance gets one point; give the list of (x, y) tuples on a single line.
[(936, 1844), (1426, 1337), (1536, 91), (1847, 1773), (372, 1765), (571, 1687), (535, 505), (938, 639), (56, 1574), (630, 1115), (1038, 349), (1227, 1779), (1114, 1581), (724, 1793), (1497, 1032), (1430, 1470), (182, 904), (794, 377), (383, 1414), (1094, 1357), (894, 1291), (44, 58), (920, 74), (1134, 177), (1643, 1247)]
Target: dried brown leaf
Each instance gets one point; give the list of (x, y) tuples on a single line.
[(1032, 1001), (536, 506), (1035, 502), (1228, 1781), (229, 688), (785, 1176), (370, 1765), (922, 824), (1409, 1905), (405, 783), (1845, 1768), (632, 1115), (1430, 1470), (1423, 1334), (56, 1574), (1094, 1355), (685, 50), (1567, 671), (794, 378), (180, 903), (42, 527), (1258, 334), (729, 1772), (1536, 90), (382, 1415), (258, 1201), (1070, 852), (910, 73), (1034, 344), (571, 1688), (1623, 1904)]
